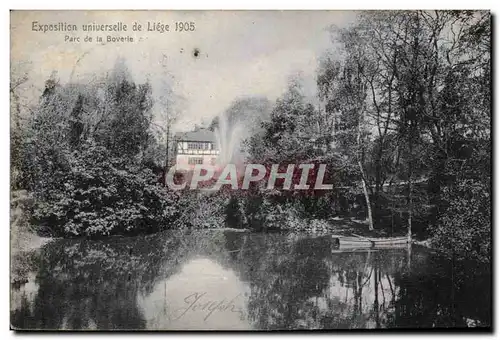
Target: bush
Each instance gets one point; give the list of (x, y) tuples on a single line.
[(94, 194), (464, 230), (201, 210)]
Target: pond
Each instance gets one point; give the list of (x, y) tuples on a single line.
[(227, 280)]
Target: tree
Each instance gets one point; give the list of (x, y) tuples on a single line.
[(166, 107), (288, 133), (423, 95), (19, 77), (83, 160), (344, 86), (76, 124)]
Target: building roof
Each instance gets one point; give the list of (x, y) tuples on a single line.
[(199, 135)]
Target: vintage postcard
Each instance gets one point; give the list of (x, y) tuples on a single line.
[(250, 170)]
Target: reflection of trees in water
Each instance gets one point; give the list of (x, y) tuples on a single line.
[(446, 296), (301, 284), (289, 278), (94, 284), (295, 282), (290, 288), (86, 284)]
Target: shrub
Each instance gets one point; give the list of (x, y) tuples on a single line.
[(95, 194), (464, 230), (201, 210)]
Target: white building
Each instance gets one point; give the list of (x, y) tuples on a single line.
[(195, 147)]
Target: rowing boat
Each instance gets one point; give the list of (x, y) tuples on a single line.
[(389, 241), (369, 242), (355, 242)]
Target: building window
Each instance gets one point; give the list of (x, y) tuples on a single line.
[(195, 160), (199, 146)]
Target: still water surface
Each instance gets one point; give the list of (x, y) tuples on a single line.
[(243, 281)]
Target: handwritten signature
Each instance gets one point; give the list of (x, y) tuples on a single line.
[(198, 302)]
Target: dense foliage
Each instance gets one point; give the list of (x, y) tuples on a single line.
[(83, 159), (98, 194), (403, 111)]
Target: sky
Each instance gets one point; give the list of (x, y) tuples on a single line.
[(241, 53)]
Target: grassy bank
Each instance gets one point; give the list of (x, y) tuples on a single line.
[(23, 238), (22, 234)]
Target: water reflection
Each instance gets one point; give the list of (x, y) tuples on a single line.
[(203, 295), (227, 280)]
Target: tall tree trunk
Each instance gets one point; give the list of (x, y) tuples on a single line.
[(363, 176), (434, 186), (367, 196), (410, 211), (378, 184), (410, 184)]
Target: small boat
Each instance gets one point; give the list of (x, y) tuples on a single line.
[(344, 250), (389, 241), (352, 242), (357, 241)]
